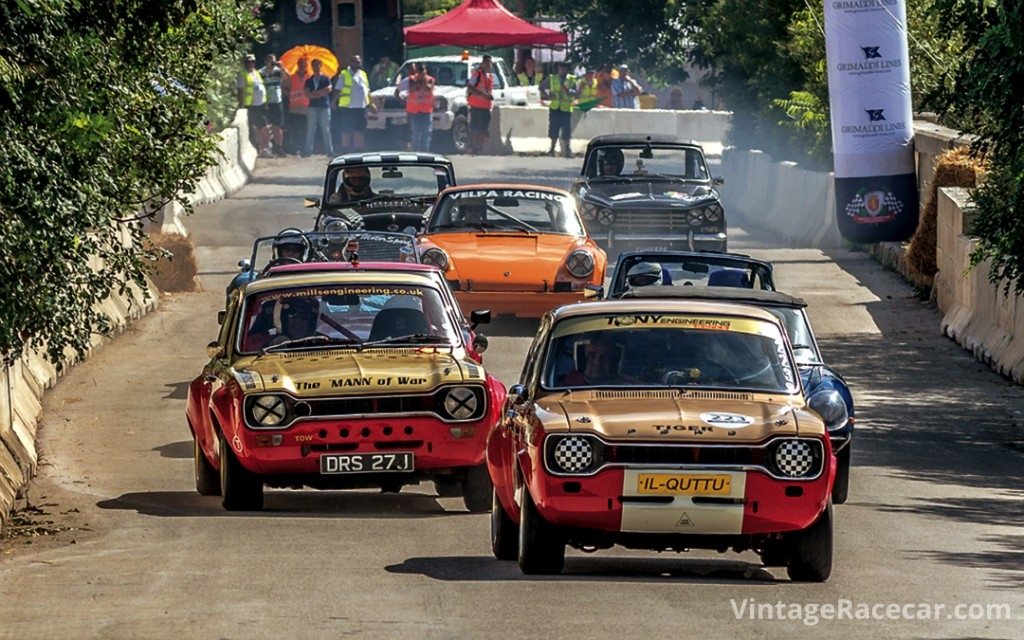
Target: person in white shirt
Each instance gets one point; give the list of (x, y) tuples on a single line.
[(252, 96), (352, 91)]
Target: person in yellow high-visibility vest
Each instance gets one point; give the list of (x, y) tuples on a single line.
[(560, 91), (252, 96), (352, 90), (587, 88)]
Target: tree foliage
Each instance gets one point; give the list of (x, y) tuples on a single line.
[(102, 109), (987, 99)]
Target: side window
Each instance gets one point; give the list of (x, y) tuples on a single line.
[(532, 367), (227, 328)]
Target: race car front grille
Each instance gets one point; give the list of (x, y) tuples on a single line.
[(670, 221), (683, 454), (361, 406)]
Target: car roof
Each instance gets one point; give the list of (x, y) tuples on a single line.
[(656, 256), (448, 58), (662, 305), (387, 157), (639, 138), (321, 273), (723, 294), (488, 186)]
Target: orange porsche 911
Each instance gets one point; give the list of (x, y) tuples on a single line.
[(514, 249)]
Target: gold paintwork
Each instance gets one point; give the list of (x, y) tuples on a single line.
[(340, 277)]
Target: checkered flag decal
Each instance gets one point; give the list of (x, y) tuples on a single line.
[(794, 458), (857, 206), (574, 454)]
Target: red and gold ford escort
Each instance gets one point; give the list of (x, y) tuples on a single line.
[(514, 249), (664, 425), (338, 375)]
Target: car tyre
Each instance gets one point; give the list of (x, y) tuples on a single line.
[(207, 478), (810, 558), (460, 134), (841, 486), (477, 489), (448, 487), (541, 546), (240, 490), (504, 533)]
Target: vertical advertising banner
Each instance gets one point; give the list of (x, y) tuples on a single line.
[(872, 119)]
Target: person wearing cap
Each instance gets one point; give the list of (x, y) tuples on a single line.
[(560, 90), (318, 114), (353, 93), (252, 96), (626, 90), (274, 78), (587, 89), (480, 96)]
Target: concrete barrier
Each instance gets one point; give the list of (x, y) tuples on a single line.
[(525, 129), (976, 313), (22, 384)]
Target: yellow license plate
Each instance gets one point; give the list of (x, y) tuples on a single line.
[(684, 484)]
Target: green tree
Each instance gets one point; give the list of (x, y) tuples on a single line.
[(102, 107), (986, 97)]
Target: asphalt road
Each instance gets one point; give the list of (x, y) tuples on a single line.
[(131, 551)]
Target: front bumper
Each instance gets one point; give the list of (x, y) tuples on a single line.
[(692, 240), (521, 304), (611, 502), (438, 447), (440, 120)]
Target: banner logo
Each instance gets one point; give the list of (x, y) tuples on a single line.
[(870, 53), (874, 207), (875, 115)]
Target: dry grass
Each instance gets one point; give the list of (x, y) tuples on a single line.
[(954, 168), (178, 271)]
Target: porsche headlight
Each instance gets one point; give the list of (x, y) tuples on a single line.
[(436, 257), (588, 211), (580, 263), (831, 407), (269, 411), (461, 403), (606, 216)]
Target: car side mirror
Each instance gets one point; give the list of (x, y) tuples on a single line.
[(478, 317), (214, 350), (244, 265), (221, 315), (480, 343), (593, 291), (517, 393), (311, 203), (718, 181)]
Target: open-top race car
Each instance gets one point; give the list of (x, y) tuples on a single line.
[(665, 425), (513, 249), (816, 376), (385, 191), (650, 192), (294, 246), (338, 375), (654, 270)]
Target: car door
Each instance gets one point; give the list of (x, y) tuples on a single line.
[(212, 380)]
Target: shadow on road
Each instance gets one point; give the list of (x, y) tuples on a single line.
[(597, 569), (288, 504), (510, 327), (176, 450), (1005, 560)]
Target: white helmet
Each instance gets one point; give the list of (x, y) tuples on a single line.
[(644, 274)]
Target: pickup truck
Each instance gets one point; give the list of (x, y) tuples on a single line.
[(451, 113)]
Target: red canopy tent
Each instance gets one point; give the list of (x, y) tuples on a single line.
[(481, 23)]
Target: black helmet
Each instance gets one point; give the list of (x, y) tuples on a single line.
[(304, 310), (291, 240), (356, 179), (613, 156)]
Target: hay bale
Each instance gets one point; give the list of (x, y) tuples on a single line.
[(954, 168), (177, 270)]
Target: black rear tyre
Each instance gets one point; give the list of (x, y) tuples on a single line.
[(504, 533), (541, 546), (240, 490), (459, 142), (810, 558), (841, 487), (477, 489)]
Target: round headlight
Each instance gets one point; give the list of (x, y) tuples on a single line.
[(828, 404), (794, 458), (574, 454), (606, 216), (461, 403), (436, 257), (589, 211), (269, 411), (580, 263), (695, 217), (713, 213), (336, 226)]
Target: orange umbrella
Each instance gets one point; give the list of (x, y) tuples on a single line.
[(290, 59)]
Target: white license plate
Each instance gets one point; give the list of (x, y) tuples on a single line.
[(396, 462)]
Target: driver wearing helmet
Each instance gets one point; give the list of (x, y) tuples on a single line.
[(610, 162), (472, 212), (355, 185), (291, 244), (295, 318), (644, 274)]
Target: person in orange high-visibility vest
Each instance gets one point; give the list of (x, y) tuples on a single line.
[(480, 96), (298, 104), (418, 88)]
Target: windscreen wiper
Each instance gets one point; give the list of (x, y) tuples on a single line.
[(413, 338), (296, 342)]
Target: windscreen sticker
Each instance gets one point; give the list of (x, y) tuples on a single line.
[(341, 291), (730, 420), (663, 321), (507, 193)]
